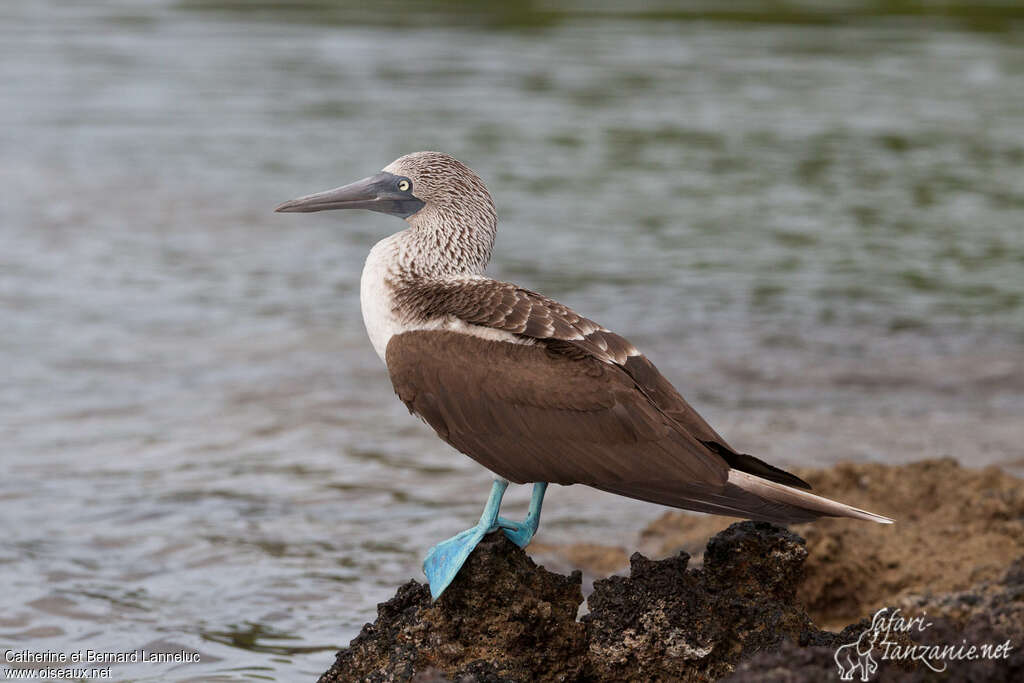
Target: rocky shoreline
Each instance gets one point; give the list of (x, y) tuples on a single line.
[(748, 606)]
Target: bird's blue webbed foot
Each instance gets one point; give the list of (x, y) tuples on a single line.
[(445, 559), (521, 533)]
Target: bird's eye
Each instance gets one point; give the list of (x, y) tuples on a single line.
[(403, 185)]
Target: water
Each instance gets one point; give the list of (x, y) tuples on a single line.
[(811, 222)]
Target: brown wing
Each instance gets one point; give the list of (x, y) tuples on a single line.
[(531, 415), (504, 306)]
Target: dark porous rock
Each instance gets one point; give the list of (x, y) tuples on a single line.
[(665, 622), (506, 619), (954, 557), (502, 619), (737, 617)]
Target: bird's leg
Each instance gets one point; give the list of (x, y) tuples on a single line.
[(446, 558), (521, 532)]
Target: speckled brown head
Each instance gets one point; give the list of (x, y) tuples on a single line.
[(444, 183), (446, 203)]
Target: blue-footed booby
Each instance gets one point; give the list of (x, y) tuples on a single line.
[(524, 385)]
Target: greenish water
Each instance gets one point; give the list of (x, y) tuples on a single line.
[(811, 220)]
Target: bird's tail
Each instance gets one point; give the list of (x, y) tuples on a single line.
[(796, 502), (748, 496)]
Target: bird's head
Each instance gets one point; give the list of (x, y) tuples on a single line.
[(451, 214), (423, 188)]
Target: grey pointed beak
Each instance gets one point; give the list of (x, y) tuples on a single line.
[(377, 193)]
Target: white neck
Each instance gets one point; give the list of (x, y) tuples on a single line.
[(414, 255), (401, 258)]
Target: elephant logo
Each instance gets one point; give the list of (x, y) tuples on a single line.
[(857, 655)]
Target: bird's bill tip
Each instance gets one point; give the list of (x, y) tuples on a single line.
[(290, 206), (361, 194)]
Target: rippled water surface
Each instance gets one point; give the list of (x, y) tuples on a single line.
[(814, 224)]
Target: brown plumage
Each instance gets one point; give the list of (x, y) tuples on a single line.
[(529, 414), (521, 383)]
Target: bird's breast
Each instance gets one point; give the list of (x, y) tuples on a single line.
[(377, 296), (385, 272)]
